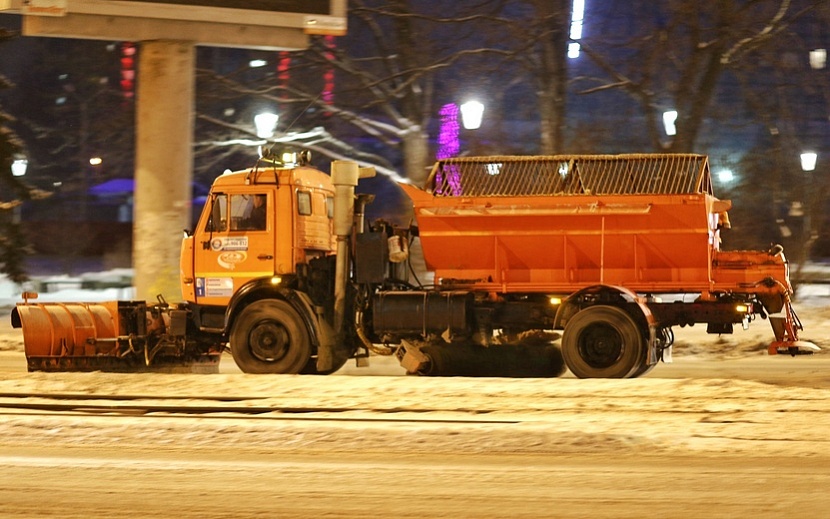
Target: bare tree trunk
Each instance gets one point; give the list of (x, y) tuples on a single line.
[(416, 155), (552, 115), (553, 77)]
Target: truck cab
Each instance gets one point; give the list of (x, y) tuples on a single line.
[(259, 223)]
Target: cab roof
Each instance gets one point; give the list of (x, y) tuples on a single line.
[(304, 176)]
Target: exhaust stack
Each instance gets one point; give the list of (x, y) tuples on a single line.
[(345, 175)]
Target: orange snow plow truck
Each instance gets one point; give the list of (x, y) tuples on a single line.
[(282, 270)]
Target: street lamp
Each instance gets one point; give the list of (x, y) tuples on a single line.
[(669, 120), (577, 19), (818, 59), (18, 170), (808, 160), (266, 123), (19, 167), (808, 163), (471, 115), (726, 176)]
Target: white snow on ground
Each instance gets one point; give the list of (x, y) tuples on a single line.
[(564, 415)]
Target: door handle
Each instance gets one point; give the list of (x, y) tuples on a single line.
[(265, 257)]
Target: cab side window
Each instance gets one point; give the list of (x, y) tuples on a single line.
[(304, 203), (248, 212), (218, 221)]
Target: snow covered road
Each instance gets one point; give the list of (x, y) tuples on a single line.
[(725, 431)]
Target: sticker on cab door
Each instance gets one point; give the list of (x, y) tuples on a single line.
[(214, 287), (228, 260), (236, 243)]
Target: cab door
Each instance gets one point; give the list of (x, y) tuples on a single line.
[(234, 245)]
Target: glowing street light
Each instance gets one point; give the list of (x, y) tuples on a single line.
[(471, 114), (669, 120), (96, 161), (818, 59), (577, 20), (19, 167), (808, 160), (266, 123), (726, 176)]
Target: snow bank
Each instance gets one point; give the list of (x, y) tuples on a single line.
[(91, 286)]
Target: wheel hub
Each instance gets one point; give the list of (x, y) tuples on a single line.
[(600, 346), (269, 341)]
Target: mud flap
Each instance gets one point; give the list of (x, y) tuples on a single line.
[(329, 355), (653, 356), (332, 349)]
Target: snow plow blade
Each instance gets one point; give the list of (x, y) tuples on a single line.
[(107, 336)]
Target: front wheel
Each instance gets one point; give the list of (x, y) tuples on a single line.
[(311, 367), (603, 342), (270, 337)]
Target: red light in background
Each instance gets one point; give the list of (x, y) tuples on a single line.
[(127, 83)]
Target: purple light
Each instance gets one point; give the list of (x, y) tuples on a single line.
[(448, 142), (448, 146)]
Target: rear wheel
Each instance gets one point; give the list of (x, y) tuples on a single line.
[(603, 342), (270, 337), (643, 369)]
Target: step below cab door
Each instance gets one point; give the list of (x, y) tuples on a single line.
[(234, 245)]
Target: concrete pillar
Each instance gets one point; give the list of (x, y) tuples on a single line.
[(164, 162)]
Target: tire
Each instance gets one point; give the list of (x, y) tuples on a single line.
[(269, 337), (311, 367), (643, 369), (603, 342)]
